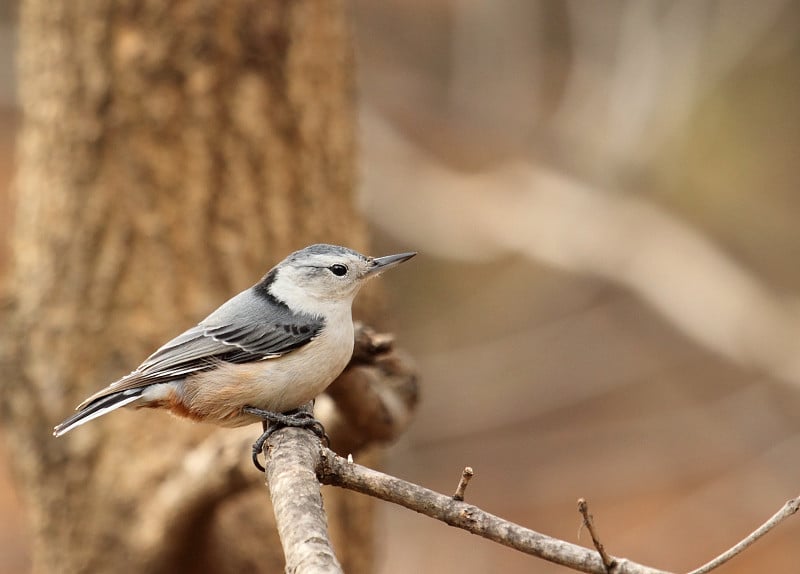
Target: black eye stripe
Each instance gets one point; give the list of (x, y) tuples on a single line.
[(338, 269)]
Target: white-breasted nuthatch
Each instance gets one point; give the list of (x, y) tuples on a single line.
[(268, 350)]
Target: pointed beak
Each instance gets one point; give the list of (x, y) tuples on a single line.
[(381, 264)]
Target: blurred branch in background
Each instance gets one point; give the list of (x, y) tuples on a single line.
[(532, 210), (666, 59), (628, 78)]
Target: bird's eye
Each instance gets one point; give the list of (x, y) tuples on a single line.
[(338, 270)]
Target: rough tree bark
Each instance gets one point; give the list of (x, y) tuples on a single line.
[(170, 153)]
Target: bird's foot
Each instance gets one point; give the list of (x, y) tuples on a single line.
[(274, 421)]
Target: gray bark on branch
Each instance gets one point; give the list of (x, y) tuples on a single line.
[(297, 464), (292, 458), (337, 471)]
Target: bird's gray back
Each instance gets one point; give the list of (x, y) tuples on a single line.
[(249, 327)]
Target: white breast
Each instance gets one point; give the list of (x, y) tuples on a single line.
[(299, 376)]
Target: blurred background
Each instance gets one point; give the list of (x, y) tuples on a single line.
[(604, 196)]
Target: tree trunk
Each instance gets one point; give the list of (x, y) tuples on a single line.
[(170, 153)]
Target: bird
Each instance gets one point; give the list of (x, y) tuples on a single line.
[(266, 351)]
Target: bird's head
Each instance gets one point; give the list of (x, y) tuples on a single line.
[(324, 275)]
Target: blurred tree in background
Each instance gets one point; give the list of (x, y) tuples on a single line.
[(169, 153)]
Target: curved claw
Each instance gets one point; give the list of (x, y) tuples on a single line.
[(258, 447), (256, 462)]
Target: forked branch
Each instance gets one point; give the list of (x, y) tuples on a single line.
[(297, 464), (337, 471)]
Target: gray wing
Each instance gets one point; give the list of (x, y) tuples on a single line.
[(249, 327)]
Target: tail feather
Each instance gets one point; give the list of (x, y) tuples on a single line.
[(98, 408)]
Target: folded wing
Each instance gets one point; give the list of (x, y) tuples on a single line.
[(247, 328)]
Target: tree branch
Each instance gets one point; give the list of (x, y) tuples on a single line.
[(337, 471), (588, 522), (461, 489), (292, 455), (785, 512), (297, 464)]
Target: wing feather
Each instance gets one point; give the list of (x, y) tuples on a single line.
[(249, 327)]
